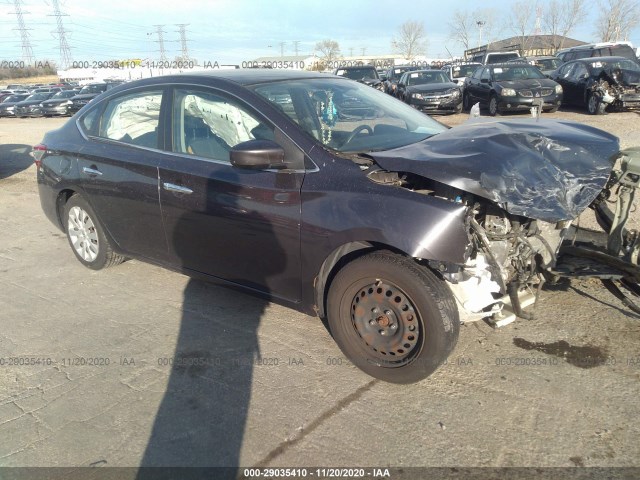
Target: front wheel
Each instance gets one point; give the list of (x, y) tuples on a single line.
[(493, 105), (86, 236), (595, 106), (393, 318)]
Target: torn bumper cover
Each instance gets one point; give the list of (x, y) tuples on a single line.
[(533, 178), (547, 169)]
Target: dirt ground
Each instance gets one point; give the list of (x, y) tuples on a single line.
[(557, 391)]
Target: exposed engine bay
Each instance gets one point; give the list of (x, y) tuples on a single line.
[(617, 89), (505, 256)]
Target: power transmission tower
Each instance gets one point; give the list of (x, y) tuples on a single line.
[(183, 39), (27, 51), (295, 46), (160, 42), (538, 27), (65, 50), (282, 44), (351, 51)]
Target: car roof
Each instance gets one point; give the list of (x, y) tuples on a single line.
[(599, 59), (339, 68), (509, 64), (240, 76)]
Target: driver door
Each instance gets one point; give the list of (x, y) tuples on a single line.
[(236, 224)]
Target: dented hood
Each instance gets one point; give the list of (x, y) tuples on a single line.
[(545, 169)]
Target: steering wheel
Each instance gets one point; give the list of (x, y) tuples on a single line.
[(356, 131)]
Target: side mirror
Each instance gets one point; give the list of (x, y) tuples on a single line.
[(383, 78), (484, 80), (257, 154), (400, 85)]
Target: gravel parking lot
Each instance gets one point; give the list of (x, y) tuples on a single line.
[(137, 365)]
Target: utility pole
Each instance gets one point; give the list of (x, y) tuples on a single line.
[(183, 40), (295, 46), (160, 42), (282, 44), (65, 50), (27, 51), (364, 49), (351, 51)]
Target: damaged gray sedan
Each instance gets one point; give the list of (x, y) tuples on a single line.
[(335, 199), (602, 84)]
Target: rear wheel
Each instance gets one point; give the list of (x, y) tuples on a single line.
[(86, 236), (394, 319), (553, 110)]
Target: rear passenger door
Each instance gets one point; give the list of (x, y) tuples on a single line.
[(118, 169)]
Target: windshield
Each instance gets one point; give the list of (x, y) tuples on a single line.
[(348, 116), (463, 71), (501, 57), (517, 72), (357, 73), (92, 89), (15, 98), (548, 63), (36, 97), (622, 64), (65, 94), (431, 76)]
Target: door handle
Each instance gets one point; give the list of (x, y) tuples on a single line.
[(91, 171), (176, 188)]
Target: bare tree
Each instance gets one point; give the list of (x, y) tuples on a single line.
[(473, 29), (461, 28), (617, 19), (411, 40), (560, 17), (521, 22), (329, 51)]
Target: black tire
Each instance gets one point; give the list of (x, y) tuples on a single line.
[(493, 105), (379, 290), (465, 102), (553, 110), (595, 105), (86, 235)]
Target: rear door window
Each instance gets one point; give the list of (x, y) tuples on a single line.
[(133, 118)]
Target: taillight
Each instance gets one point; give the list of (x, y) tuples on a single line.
[(37, 152)]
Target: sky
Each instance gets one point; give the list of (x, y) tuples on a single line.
[(233, 31)]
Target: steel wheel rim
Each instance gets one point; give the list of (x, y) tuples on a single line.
[(387, 322), (83, 235)]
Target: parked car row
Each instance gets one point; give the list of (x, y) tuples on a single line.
[(47, 102), (599, 84)]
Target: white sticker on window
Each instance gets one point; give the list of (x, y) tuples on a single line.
[(340, 72), (497, 70), (414, 75)]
